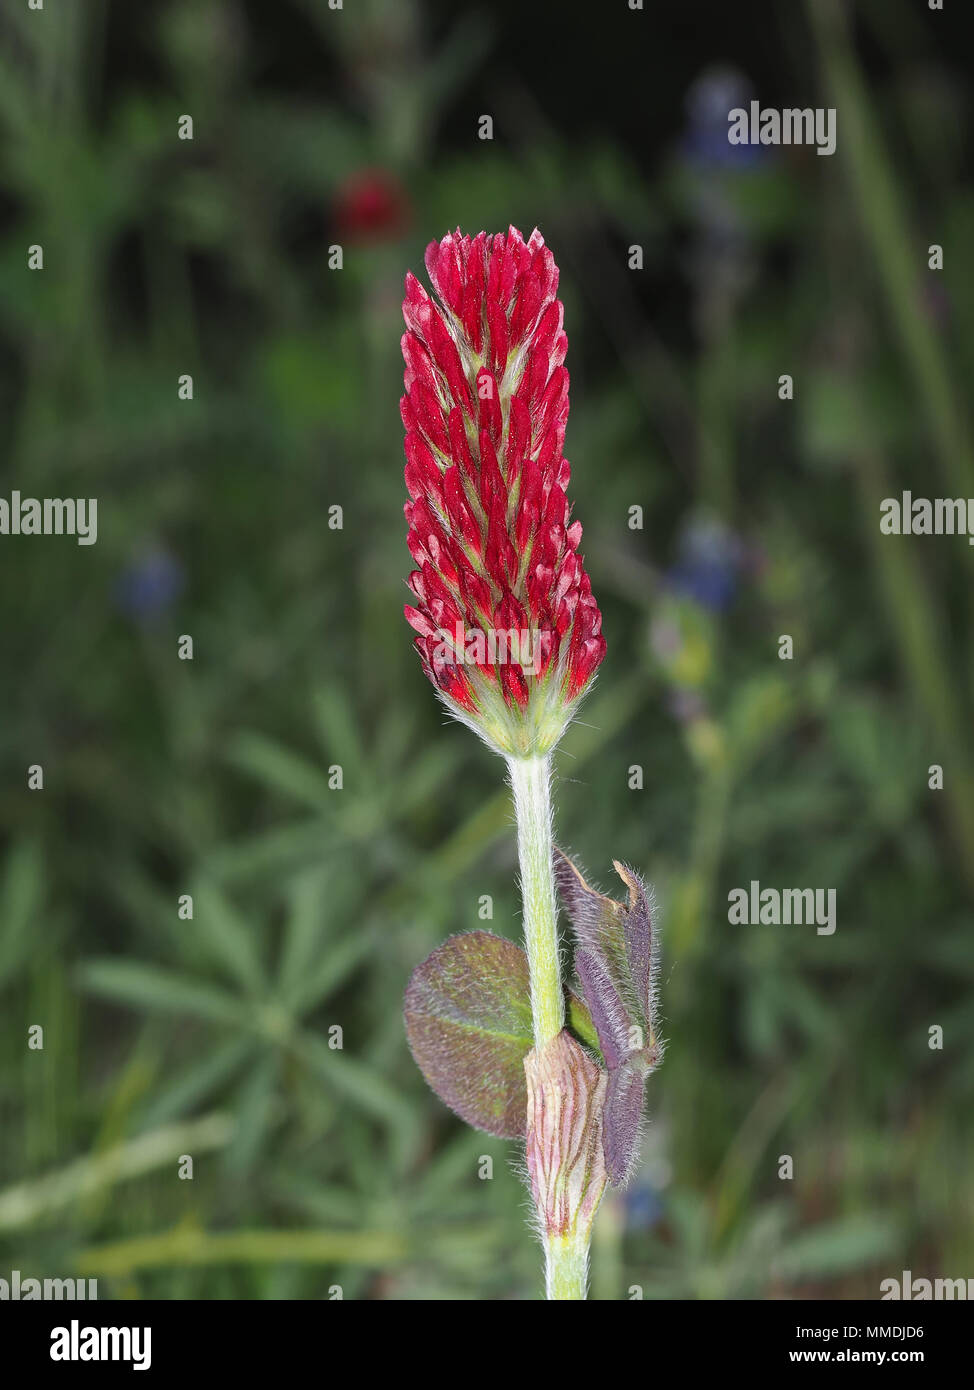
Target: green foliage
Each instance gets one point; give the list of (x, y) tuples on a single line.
[(315, 1164)]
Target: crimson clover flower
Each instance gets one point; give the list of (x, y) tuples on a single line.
[(508, 629), (510, 634)]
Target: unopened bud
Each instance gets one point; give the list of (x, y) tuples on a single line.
[(566, 1093)]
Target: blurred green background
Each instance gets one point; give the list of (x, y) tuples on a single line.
[(317, 1166)]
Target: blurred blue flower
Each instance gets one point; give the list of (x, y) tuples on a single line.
[(150, 584), (708, 566), (721, 253), (643, 1207), (685, 705), (710, 99)]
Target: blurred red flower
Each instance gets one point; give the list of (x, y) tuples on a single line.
[(370, 205)]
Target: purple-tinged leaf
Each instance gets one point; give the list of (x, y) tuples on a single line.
[(603, 1000), (584, 906), (468, 1020), (641, 945), (617, 964), (621, 938), (620, 1122)]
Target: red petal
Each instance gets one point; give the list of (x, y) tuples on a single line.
[(490, 406), (458, 509), (526, 306), (518, 436)]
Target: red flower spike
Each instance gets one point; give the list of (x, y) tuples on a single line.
[(507, 628)]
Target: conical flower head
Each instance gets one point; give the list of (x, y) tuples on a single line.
[(507, 627)]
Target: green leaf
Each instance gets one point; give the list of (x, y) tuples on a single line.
[(21, 895), (254, 1112), (190, 1088), (337, 726), (228, 938), (147, 987), (580, 1024), (304, 930), (281, 769), (359, 1083), (334, 968), (839, 1246), (313, 963)]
